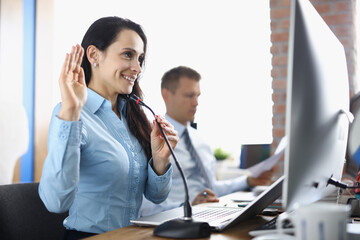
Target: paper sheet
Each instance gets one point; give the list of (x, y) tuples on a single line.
[(268, 163)]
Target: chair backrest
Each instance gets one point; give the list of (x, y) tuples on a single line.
[(352, 164), (24, 216), (252, 154)]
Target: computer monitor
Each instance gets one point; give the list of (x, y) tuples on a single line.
[(317, 98)]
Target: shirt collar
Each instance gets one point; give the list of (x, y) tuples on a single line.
[(121, 106), (95, 101), (178, 126)]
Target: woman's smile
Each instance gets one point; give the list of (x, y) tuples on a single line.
[(131, 79)]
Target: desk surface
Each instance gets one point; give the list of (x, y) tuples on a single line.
[(238, 232)]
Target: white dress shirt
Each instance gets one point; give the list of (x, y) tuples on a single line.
[(196, 182)]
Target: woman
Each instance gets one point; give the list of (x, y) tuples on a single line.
[(103, 154)]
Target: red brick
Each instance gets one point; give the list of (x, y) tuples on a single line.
[(281, 94), (285, 48), (346, 42), (276, 97), (314, 2), (274, 73), (278, 132), (274, 3), (280, 13), (283, 121), (285, 24), (343, 30), (274, 121), (279, 84), (280, 37), (285, 3), (283, 72), (323, 8), (279, 60), (274, 49), (337, 19), (274, 26), (342, 6)]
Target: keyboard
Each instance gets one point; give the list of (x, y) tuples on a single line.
[(270, 227), (212, 215)]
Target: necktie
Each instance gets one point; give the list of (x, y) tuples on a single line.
[(196, 157)]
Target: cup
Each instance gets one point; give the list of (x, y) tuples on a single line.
[(317, 221)]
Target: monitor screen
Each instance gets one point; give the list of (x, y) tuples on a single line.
[(317, 97)]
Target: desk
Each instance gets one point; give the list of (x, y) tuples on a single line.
[(238, 232)]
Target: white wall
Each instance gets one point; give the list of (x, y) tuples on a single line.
[(11, 50), (14, 135), (46, 83)]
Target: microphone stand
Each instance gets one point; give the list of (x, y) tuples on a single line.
[(177, 228)]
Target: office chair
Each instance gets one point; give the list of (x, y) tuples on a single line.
[(23, 215), (252, 154), (352, 166)]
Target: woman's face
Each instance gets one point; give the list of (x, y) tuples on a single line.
[(119, 65)]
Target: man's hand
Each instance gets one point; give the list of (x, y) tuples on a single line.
[(263, 179), (205, 196)]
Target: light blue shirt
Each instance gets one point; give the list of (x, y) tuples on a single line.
[(195, 180), (97, 169)]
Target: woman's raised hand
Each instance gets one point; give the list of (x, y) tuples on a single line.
[(72, 85)]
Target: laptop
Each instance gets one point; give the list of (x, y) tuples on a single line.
[(218, 217)]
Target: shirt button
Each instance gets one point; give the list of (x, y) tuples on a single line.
[(64, 126), (63, 136)]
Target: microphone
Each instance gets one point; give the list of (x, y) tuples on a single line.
[(177, 228)]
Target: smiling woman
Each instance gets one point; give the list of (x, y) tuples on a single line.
[(103, 154)]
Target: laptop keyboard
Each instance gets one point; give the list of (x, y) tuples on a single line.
[(215, 214)]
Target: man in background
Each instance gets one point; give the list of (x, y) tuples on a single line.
[(180, 89)]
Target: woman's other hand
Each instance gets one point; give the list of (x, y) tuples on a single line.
[(72, 85)]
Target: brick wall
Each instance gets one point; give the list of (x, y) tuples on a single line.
[(340, 16)]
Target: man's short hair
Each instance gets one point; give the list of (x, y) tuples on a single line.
[(170, 79)]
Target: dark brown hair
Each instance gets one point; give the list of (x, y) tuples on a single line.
[(102, 33)]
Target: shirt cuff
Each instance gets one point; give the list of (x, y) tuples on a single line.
[(66, 131), (156, 178)]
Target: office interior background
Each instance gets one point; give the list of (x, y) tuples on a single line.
[(239, 47)]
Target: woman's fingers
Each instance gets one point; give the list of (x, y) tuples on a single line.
[(168, 128), (81, 54), (65, 66), (78, 58), (82, 77), (77, 54), (71, 69), (72, 57)]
